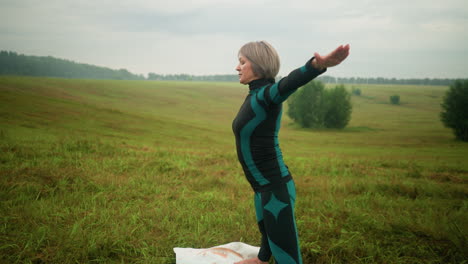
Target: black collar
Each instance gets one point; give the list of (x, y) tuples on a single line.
[(255, 84)]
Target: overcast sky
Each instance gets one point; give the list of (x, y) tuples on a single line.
[(398, 38)]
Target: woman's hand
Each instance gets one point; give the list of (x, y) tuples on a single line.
[(332, 59)]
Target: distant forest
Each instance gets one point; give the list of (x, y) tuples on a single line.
[(12, 63), (188, 77)]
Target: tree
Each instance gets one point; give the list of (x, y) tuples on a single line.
[(338, 107), (395, 99), (356, 91), (305, 106), (455, 109), (315, 107)]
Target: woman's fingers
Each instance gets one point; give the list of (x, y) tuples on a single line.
[(333, 58), (337, 56)]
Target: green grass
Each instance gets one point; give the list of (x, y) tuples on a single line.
[(124, 171)]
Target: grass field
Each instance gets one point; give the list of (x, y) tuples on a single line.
[(124, 171)]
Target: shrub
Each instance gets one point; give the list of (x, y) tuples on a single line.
[(306, 107), (356, 91), (455, 109), (315, 107), (395, 99)]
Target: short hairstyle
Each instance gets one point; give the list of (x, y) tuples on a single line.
[(263, 57)]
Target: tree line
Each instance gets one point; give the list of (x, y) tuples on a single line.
[(188, 77), (382, 80), (12, 63)]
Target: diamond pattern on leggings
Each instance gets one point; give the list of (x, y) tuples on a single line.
[(275, 206)]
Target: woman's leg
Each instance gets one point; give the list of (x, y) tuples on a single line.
[(265, 253), (279, 224)]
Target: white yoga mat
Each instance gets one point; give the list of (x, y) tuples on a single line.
[(222, 254)]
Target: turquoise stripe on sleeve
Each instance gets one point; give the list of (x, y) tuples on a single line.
[(303, 69), (276, 97), (274, 93)]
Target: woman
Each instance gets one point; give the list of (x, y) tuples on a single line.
[(256, 128)]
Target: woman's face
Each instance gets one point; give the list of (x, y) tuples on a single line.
[(246, 74)]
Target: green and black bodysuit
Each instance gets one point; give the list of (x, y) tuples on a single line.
[(256, 129)]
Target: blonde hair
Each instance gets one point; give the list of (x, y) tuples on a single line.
[(263, 57)]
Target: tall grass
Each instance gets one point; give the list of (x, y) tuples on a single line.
[(124, 171)]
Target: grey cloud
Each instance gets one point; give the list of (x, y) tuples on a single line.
[(248, 22)]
